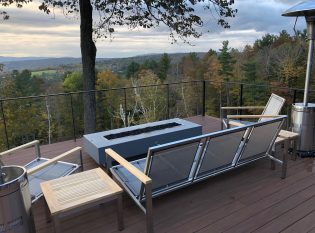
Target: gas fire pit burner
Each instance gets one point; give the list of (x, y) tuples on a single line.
[(140, 131)]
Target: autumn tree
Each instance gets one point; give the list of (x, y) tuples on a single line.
[(109, 100), (149, 100), (180, 17), (213, 67)]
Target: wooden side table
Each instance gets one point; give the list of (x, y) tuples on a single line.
[(285, 139), (80, 191), (291, 138)]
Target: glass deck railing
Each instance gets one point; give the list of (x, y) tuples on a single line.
[(59, 117)]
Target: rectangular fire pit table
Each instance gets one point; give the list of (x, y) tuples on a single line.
[(135, 140), (71, 194)]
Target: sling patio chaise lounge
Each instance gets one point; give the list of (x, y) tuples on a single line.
[(181, 163), (271, 110), (42, 169)]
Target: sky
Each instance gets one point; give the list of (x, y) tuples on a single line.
[(31, 32)]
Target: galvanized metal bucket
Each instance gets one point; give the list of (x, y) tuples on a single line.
[(15, 201)]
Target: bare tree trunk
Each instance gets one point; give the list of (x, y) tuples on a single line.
[(88, 52)]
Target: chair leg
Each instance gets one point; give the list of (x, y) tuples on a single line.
[(149, 208), (120, 217), (285, 159), (272, 162), (47, 212)]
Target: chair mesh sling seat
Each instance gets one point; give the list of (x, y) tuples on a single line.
[(42, 169), (271, 110), (174, 165)]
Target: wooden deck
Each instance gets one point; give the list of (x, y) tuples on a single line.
[(250, 199)]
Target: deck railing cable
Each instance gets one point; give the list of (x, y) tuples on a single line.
[(178, 102)]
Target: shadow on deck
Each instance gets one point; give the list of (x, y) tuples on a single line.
[(252, 198)]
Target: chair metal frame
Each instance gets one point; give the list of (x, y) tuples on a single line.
[(227, 122), (144, 200), (46, 162)]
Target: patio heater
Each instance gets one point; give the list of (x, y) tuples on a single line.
[(303, 114)]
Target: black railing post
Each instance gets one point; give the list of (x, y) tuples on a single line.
[(203, 98), (168, 101), (227, 86), (5, 125), (72, 115), (241, 97), (294, 96), (125, 105)]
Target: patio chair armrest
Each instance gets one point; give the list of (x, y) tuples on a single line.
[(242, 107), (250, 116), (53, 160), (33, 143), (235, 123), (132, 169)]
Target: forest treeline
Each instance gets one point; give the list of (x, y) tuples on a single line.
[(277, 60)]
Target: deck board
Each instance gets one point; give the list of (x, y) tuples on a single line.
[(252, 198)]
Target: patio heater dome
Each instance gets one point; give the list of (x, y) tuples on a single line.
[(306, 8), (303, 114)]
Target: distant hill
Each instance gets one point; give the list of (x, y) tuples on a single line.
[(36, 64), (119, 65), (10, 59), (115, 64)]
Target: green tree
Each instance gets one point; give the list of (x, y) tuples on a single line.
[(73, 82), (132, 69), (266, 41), (150, 64), (25, 84), (249, 70), (226, 61), (181, 17), (164, 66)]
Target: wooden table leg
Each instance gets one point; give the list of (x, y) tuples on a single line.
[(57, 224), (47, 212), (120, 217)]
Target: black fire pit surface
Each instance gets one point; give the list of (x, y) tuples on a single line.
[(140, 131)]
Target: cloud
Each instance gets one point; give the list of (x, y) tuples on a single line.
[(30, 32)]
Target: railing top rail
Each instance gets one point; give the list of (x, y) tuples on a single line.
[(95, 91), (151, 85)]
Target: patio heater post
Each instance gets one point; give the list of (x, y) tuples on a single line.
[(1, 172), (310, 57), (168, 101), (303, 114)]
